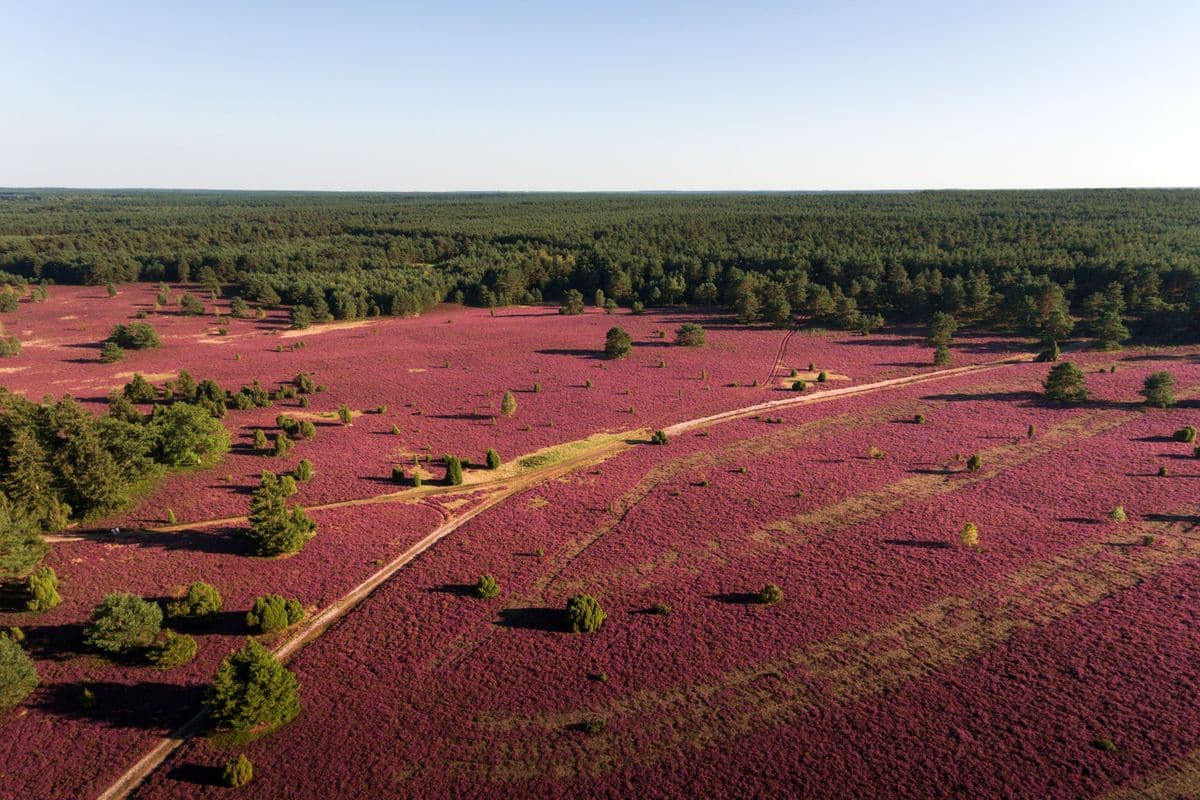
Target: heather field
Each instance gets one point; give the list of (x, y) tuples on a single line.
[(900, 663)]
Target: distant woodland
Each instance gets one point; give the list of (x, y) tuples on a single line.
[(1111, 264)]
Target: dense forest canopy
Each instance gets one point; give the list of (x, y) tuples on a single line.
[(1019, 260)]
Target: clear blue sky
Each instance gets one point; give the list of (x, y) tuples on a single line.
[(615, 95)]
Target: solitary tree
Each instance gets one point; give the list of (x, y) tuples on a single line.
[(941, 329), (487, 588), (617, 343), (18, 675), (508, 406), (275, 528), (201, 601), (274, 612), (252, 689), (493, 459), (770, 595), (43, 590), (1066, 384), (689, 334), (454, 473), (572, 303), (1159, 390), (238, 771), (584, 614), (111, 352), (123, 623)]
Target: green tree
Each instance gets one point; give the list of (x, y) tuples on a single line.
[(135, 336), (304, 470), (584, 614), (190, 306), (42, 586), (770, 595), (941, 329), (201, 601), (237, 772), (123, 623), (454, 472), (21, 544), (187, 435), (1159, 390), (1066, 384), (508, 405), (18, 674), (275, 528), (140, 390), (274, 612), (487, 588), (493, 459), (689, 334), (572, 304), (172, 650), (252, 689), (617, 343), (111, 353)]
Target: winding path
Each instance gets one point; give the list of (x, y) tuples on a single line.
[(499, 490)]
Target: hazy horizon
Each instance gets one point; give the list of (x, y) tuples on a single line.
[(473, 97)]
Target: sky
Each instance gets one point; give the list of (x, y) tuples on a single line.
[(447, 95)]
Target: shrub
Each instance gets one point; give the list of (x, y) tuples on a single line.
[(919, 419), (18, 674), (689, 335), (454, 473), (305, 383), (941, 356), (1186, 434), (307, 430), (487, 588), (663, 608), (799, 386), (969, 535), (260, 439), (508, 406), (111, 353), (344, 415), (537, 388), (770, 595), (1159, 390), (173, 650), (493, 459), (637, 307), (237, 772), (584, 614), (974, 463), (43, 590), (273, 612), (398, 475), (9, 346), (200, 601), (1117, 514), (283, 445), (252, 689), (572, 304), (275, 528), (822, 377), (190, 305), (1147, 540), (1163, 472), (416, 479), (139, 390), (593, 726), (1051, 353), (659, 437), (617, 343), (1029, 433), (122, 623), (1066, 383), (303, 471), (135, 336)]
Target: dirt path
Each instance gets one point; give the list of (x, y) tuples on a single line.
[(504, 488)]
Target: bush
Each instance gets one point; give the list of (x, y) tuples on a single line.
[(273, 612), (584, 614), (416, 479), (493, 459), (572, 304), (919, 419), (18, 674), (1186, 434), (617, 343), (344, 415), (508, 406), (190, 305), (974, 463), (941, 356), (135, 336), (1163, 472), (770, 595), (307, 430), (659, 437), (283, 445), (9, 346), (398, 475), (260, 439), (305, 383), (1159, 390), (43, 590), (187, 435), (252, 689), (111, 353), (237, 772), (1066, 383), (173, 650), (201, 601), (799, 386), (123, 623), (663, 609), (1117, 514), (1030, 431), (304, 470), (454, 473), (487, 588), (969, 535), (689, 335), (140, 390), (822, 377)]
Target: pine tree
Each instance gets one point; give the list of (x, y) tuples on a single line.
[(252, 689), (275, 528), (508, 406)]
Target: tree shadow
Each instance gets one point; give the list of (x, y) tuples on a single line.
[(929, 544), (1190, 519), (577, 352), (1079, 520), (462, 417), (56, 642), (198, 774), (736, 598), (150, 705), (1032, 398), (532, 618), (456, 589), (217, 541)]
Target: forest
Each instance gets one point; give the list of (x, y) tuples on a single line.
[(1113, 264)]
